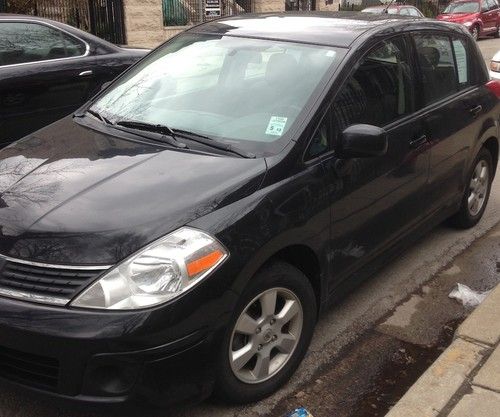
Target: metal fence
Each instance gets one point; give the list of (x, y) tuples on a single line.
[(103, 18), (304, 5), (192, 12)]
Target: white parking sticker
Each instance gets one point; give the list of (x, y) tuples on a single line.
[(276, 125)]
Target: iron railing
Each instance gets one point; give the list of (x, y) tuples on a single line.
[(192, 12), (103, 18)]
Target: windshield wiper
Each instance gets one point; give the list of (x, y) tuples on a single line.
[(99, 116), (167, 134), (94, 113), (206, 140)]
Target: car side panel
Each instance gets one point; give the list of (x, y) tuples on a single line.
[(36, 94)]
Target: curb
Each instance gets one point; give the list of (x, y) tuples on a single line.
[(438, 388)]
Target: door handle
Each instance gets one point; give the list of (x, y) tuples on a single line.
[(417, 143), (85, 73), (474, 111)]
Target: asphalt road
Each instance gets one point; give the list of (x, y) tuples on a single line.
[(340, 327), (489, 47)]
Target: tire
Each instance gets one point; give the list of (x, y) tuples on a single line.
[(239, 381), (497, 32), (468, 214), (475, 32)]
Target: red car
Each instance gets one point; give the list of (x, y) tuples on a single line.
[(395, 8), (481, 17)]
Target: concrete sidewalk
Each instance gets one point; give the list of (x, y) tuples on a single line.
[(465, 380)]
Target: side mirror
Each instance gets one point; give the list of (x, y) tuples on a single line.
[(363, 141)]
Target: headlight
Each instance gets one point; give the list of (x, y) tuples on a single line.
[(468, 24), (158, 273), (495, 66)]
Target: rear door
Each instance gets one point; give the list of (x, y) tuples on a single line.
[(487, 16), (45, 74), (450, 104), (492, 15), (374, 200)]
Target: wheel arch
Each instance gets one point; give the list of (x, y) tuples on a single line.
[(305, 260), (493, 147), (298, 254)]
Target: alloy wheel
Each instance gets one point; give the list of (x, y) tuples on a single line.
[(265, 335), (478, 188)]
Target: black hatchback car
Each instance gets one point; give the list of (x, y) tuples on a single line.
[(49, 69), (181, 233)]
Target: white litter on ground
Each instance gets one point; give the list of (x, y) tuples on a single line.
[(468, 297)]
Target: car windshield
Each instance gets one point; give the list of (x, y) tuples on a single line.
[(390, 10), (248, 92), (463, 7)]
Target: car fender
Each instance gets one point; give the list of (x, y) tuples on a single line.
[(489, 129), (254, 232)]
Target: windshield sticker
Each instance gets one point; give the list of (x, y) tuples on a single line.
[(276, 125)]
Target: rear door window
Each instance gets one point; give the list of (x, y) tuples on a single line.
[(437, 65), (22, 42)]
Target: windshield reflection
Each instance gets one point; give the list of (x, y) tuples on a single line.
[(245, 91)]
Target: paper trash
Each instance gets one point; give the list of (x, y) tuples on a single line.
[(468, 297)]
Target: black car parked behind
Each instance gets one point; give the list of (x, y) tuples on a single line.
[(183, 231), (48, 70)]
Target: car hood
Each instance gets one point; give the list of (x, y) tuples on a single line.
[(457, 17), (72, 195)]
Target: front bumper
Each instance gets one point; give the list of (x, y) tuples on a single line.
[(494, 75), (107, 357)]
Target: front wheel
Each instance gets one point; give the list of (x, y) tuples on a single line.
[(477, 192), (497, 32), (268, 336)]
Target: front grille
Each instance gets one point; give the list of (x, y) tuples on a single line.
[(50, 284), (29, 369)]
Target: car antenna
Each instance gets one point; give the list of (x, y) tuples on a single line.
[(387, 7)]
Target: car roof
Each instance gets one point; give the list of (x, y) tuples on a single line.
[(339, 29), (88, 37), (391, 6), (9, 16)]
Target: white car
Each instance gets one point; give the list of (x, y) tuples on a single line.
[(495, 67)]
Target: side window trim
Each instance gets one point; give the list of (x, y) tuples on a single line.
[(331, 150), (46, 24)]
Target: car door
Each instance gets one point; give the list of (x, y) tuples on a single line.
[(492, 15), (486, 17), (108, 66), (450, 103), (45, 74), (374, 200)]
